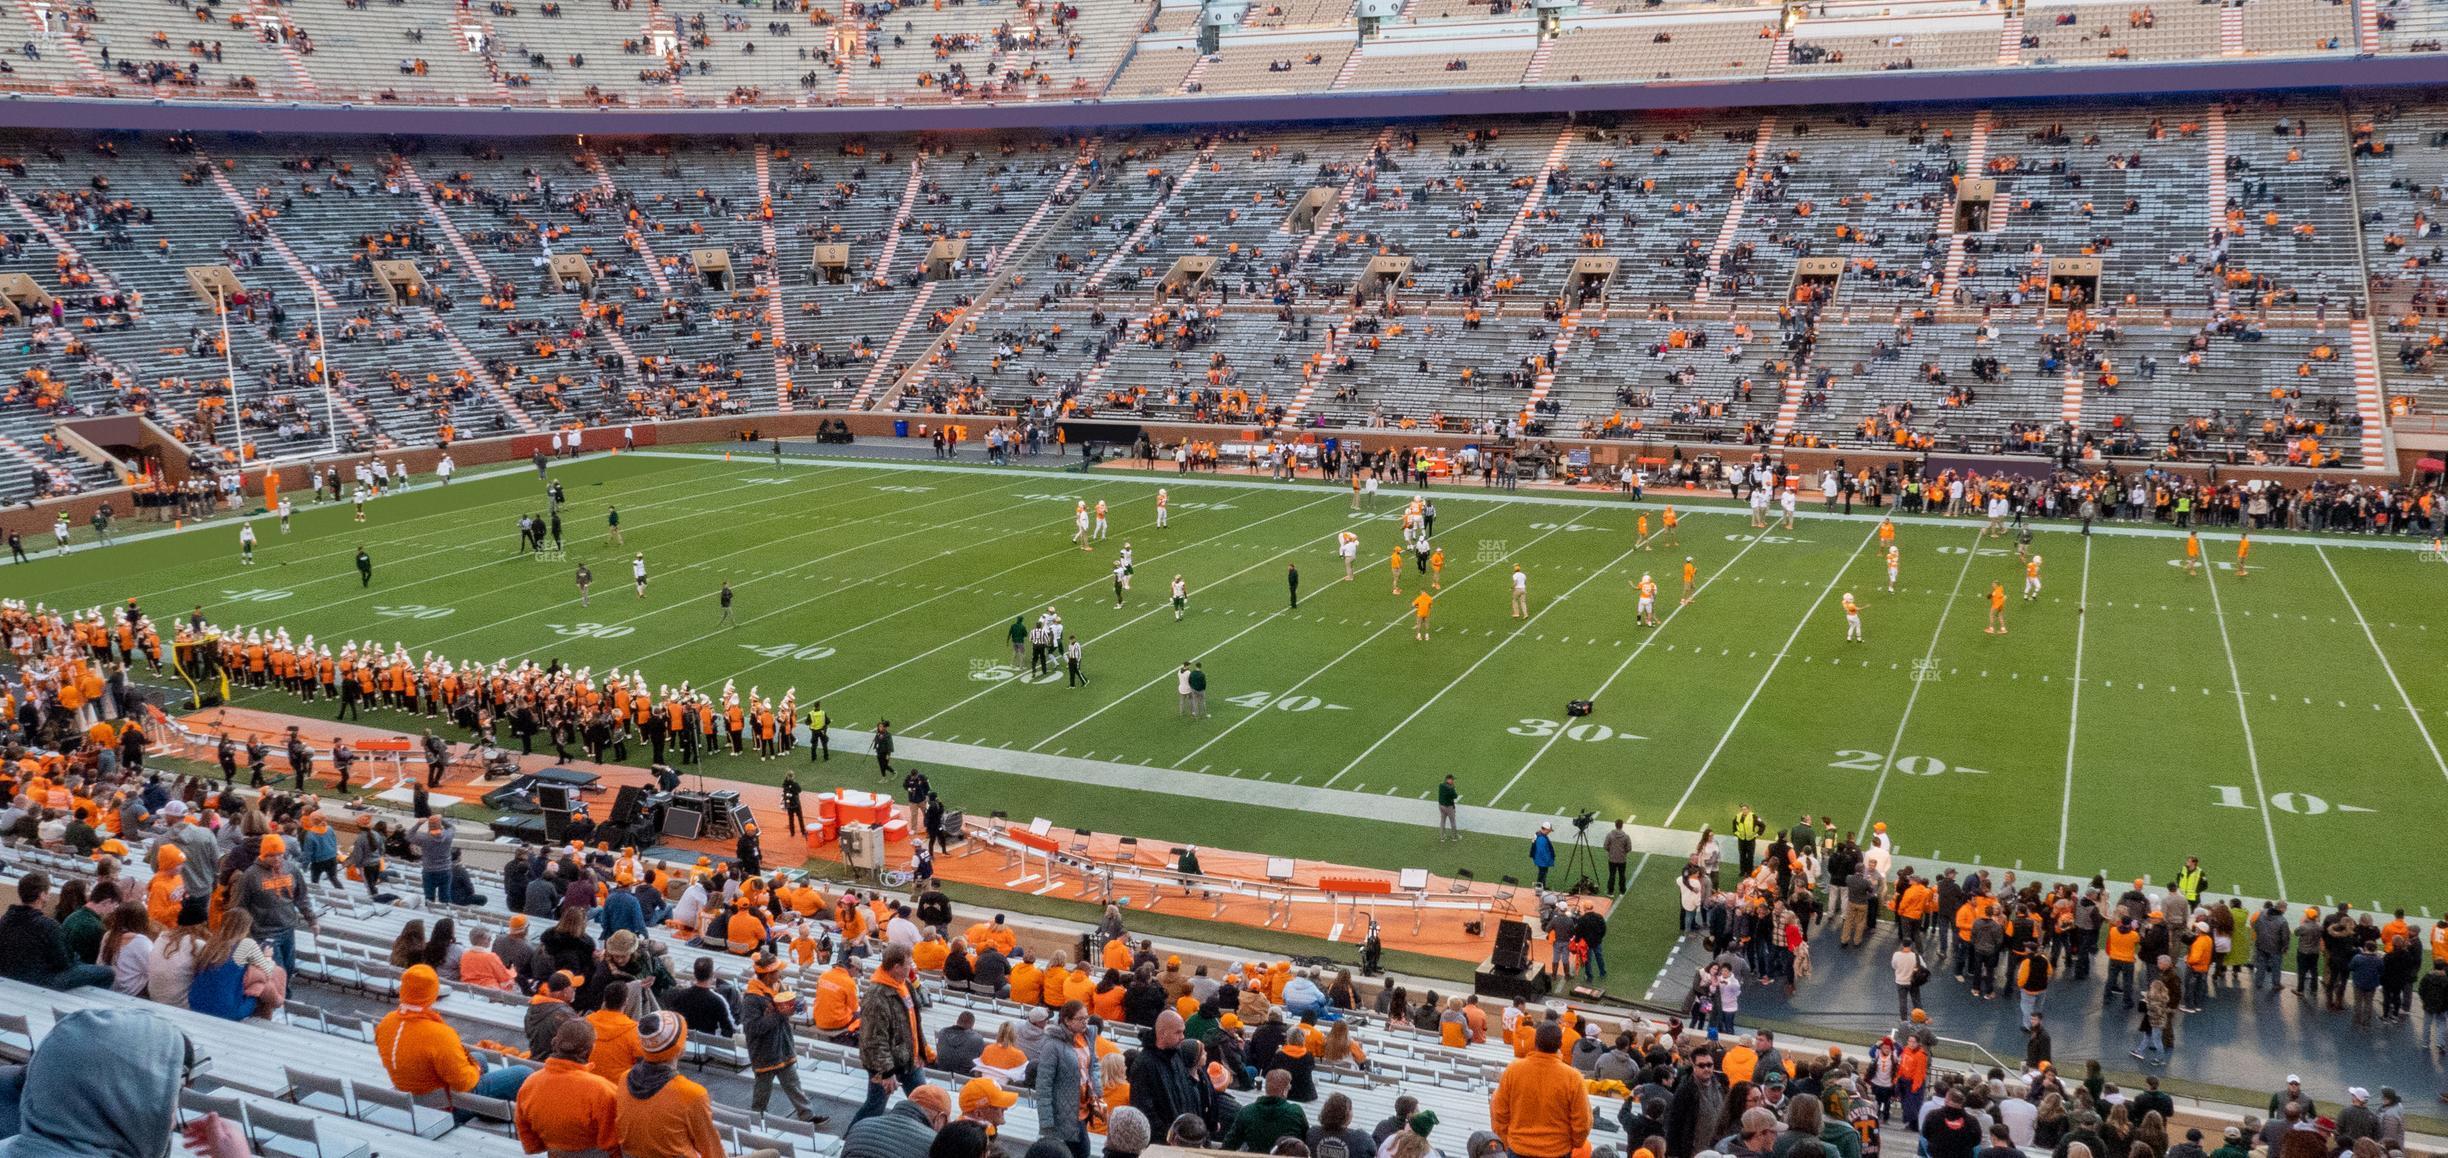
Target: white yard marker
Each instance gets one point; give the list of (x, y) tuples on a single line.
[(1765, 676), (965, 637), (2065, 806), (1612, 676), (2252, 754), (1887, 762), (1162, 676), (1371, 637), (2385, 665), (1425, 704)]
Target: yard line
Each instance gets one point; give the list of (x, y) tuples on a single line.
[(964, 637), (1887, 764), (2385, 665), (759, 545), (395, 591), (1125, 624), (689, 515), (2252, 754), (1062, 552), (928, 529), (1620, 668), (1371, 637), (1765, 676), (1708, 504), (1510, 636), (460, 546), (1162, 676), (2065, 806)]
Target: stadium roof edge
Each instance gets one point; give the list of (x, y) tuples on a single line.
[(2222, 78)]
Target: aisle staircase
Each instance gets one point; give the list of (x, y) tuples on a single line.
[(267, 18), (1555, 356), (1190, 80), (901, 217), (892, 346), (1538, 60), (1351, 68), (1732, 226), (1530, 204), (2370, 403), (777, 319), (1147, 224), (1976, 161)]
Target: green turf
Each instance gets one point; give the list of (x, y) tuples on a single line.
[(886, 592)]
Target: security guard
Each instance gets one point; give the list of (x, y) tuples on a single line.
[(2189, 881), (1748, 828)]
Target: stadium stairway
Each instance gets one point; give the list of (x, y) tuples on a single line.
[(1740, 183), (1976, 160), (777, 320)]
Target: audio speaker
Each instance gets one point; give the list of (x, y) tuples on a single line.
[(626, 806), (552, 797), (1512, 945), (556, 824)]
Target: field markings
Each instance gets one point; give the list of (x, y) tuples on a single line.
[(1765, 676), (2252, 753), (2065, 806), (1064, 551), (471, 476), (340, 574), (1126, 624), (689, 512), (1208, 651), (1887, 762), (1371, 637), (964, 637), (759, 545), (928, 529), (1620, 668), (1501, 644), (2385, 665), (1697, 504)]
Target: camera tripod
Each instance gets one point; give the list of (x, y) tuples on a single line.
[(1580, 862)]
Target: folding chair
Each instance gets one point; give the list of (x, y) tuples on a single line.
[(304, 1085), (16, 1037), (415, 1119), (279, 1132), (194, 1104), (492, 1111)]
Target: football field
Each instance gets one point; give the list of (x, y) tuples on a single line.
[(2282, 726)]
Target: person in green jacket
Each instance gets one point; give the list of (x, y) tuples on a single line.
[(1271, 1118), (81, 931), (1019, 640)]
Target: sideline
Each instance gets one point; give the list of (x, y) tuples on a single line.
[(1703, 502)]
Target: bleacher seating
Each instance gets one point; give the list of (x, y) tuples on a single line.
[(796, 53), (329, 1075), (1490, 213)]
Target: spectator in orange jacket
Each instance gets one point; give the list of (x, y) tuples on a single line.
[(1541, 1109), (566, 1107), (616, 1034), (664, 1115), (423, 1055)]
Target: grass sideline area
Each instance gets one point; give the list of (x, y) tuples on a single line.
[(2133, 714)]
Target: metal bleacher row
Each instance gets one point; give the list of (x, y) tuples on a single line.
[(330, 1077), (711, 53), (559, 282)]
